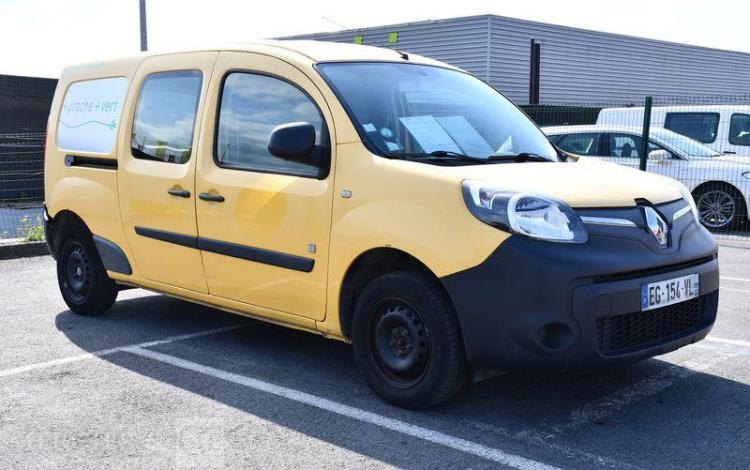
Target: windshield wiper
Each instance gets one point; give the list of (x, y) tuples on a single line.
[(443, 154), (436, 155), (520, 157)]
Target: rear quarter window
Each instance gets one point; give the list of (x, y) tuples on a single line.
[(90, 115), (702, 127), (739, 129)]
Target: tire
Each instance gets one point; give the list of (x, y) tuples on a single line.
[(83, 281), (407, 341), (721, 207)]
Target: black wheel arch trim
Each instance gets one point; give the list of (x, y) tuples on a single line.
[(234, 250), (113, 257)]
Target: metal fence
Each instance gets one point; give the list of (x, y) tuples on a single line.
[(21, 186), (703, 142)]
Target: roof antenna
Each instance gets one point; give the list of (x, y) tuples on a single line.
[(333, 22), (403, 55)]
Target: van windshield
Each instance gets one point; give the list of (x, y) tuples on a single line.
[(403, 110)]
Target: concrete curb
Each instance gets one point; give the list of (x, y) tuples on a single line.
[(23, 250)]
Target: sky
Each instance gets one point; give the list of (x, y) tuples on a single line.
[(39, 37)]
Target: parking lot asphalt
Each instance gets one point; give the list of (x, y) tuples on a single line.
[(163, 383)]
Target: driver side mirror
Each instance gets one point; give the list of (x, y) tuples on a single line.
[(659, 156), (295, 142)]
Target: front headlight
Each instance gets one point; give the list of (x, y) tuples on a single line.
[(534, 215), (685, 193)]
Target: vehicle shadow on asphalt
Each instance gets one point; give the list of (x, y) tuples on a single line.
[(619, 413)]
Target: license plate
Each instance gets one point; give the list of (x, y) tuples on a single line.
[(669, 292)]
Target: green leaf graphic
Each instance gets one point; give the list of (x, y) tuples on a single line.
[(110, 126)]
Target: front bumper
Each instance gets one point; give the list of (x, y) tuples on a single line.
[(538, 305)]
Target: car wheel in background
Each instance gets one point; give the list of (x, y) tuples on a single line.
[(721, 207)]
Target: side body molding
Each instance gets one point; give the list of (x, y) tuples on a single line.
[(249, 253)]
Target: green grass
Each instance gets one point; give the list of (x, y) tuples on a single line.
[(35, 234), (34, 230)]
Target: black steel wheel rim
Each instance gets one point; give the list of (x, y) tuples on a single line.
[(77, 273), (400, 342), (717, 208)]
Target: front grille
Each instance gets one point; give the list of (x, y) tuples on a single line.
[(628, 331), (653, 271)]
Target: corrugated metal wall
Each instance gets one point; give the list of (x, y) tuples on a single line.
[(578, 66), (461, 42)]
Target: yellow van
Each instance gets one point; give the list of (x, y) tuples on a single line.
[(374, 197)]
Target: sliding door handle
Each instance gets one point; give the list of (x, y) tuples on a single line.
[(211, 197), (179, 192)]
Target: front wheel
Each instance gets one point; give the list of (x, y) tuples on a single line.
[(407, 342), (83, 281)]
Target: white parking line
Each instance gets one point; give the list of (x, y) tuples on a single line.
[(542, 440), (739, 279), (734, 342), (745, 291), (402, 427), (605, 406), (106, 352)]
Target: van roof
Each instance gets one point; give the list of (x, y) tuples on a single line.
[(294, 50)]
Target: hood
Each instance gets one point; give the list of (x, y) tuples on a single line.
[(585, 183)]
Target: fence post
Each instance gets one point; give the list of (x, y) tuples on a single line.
[(646, 133)]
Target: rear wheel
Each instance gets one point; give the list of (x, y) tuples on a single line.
[(407, 342), (83, 281), (721, 207)]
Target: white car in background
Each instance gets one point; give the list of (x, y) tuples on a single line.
[(724, 128), (720, 184)]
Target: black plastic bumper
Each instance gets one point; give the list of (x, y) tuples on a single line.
[(539, 305), (49, 232)]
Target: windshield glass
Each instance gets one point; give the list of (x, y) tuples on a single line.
[(403, 109), (685, 146)]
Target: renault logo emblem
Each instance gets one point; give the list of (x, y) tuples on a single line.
[(656, 225)]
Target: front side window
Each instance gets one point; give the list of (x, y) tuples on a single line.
[(624, 146), (580, 144), (702, 127), (252, 106), (739, 129), (629, 146), (402, 109), (165, 116)]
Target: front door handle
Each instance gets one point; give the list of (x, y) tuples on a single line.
[(211, 197), (179, 192)]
